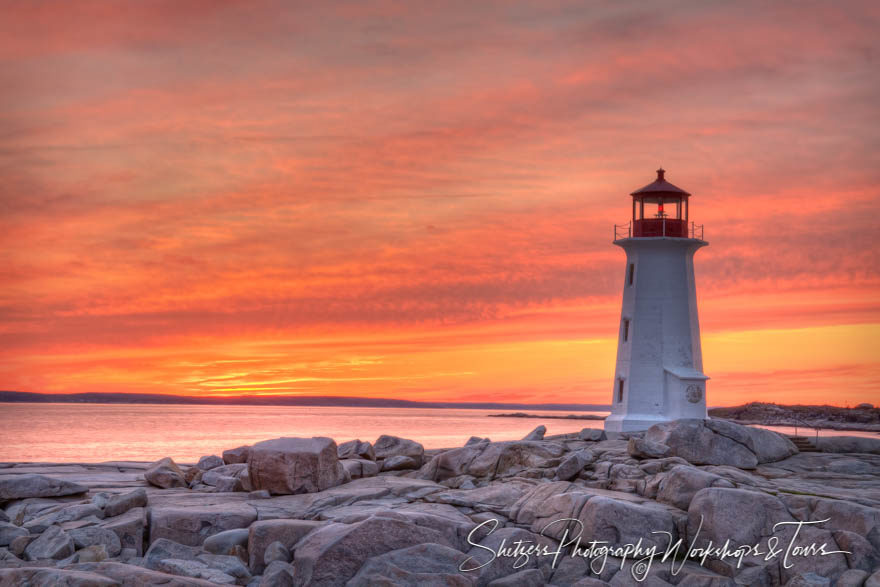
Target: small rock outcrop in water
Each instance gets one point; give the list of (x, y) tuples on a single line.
[(295, 465), (415, 517)]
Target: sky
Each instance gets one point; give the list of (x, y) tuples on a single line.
[(416, 199)]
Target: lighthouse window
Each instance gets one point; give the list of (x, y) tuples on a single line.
[(619, 390), (625, 329), (631, 273)]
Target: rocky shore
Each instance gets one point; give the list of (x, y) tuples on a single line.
[(863, 417), (306, 511)]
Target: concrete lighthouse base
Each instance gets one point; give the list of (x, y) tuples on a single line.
[(617, 423)]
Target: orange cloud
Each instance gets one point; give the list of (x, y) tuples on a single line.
[(381, 200)]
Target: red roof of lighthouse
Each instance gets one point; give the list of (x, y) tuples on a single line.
[(660, 186)]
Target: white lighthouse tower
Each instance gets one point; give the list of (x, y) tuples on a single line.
[(659, 373)]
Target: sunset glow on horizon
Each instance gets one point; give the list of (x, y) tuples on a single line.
[(417, 201)]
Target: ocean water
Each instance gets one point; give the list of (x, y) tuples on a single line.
[(144, 432), (68, 432)]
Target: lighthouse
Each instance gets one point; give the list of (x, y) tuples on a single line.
[(659, 371)]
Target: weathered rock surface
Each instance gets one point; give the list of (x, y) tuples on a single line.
[(482, 561), (841, 515), (209, 462), (849, 444), (119, 504), (536, 434), (228, 565), (476, 440), (41, 576), (355, 449), (195, 569), (360, 468), (333, 554), (295, 465), (526, 578), (278, 574), (497, 497), (493, 459), (852, 578), (574, 464), (276, 552), (162, 549), (428, 565), (54, 543), (592, 434), (769, 446), (641, 448), (129, 527), (236, 455), (225, 542), (137, 576), (68, 513), (264, 533), (394, 446), (679, 486), (622, 522), (14, 486), (740, 515), (94, 536), (191, 525), (698, 443), (165, 473), (400, 463), (9, 532), (402, 527)]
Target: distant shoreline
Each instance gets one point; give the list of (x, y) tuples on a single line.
[(862, 418), (568, 417), (808, 418), (300, 401)]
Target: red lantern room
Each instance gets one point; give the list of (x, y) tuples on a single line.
[(660, 209)]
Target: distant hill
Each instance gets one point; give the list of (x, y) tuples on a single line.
[(276, 400)]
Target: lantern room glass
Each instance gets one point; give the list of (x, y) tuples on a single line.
[(660, 215)]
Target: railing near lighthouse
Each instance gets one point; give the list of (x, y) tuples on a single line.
[(622, 231), (694, 231)]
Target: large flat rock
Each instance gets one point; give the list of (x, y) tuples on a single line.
[(19, 486), (46, 576), (139, 576), (191, 524), (310, 505)]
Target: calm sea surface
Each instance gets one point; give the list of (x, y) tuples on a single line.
[(102, 432), (143, 432)]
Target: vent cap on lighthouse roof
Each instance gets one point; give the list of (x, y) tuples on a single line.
[(660, 186)]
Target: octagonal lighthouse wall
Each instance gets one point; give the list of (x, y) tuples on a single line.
[(659, 370)]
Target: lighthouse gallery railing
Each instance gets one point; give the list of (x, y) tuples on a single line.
[(622, 231)]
